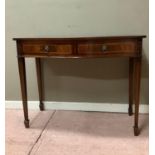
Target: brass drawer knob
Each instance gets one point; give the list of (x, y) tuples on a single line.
[(49, 48), (104, 47), (46, 48)]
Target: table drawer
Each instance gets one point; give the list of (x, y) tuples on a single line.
[(47, 49), (108, 48)]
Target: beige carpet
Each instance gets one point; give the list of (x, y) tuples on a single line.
[(74, 133)]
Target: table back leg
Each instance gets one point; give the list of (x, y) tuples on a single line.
[(130, 109), (40, 86)]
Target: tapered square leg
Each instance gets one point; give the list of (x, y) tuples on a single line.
[(22, 75), (130, 109), (40, 86), (26, 123), (136, 131), (41, 106), (137, 77)]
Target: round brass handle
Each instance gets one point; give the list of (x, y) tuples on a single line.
[(46, 48), (104, 47)]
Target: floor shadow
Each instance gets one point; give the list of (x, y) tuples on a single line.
[(96, 124)]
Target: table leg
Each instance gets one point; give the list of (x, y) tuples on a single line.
[(130, 109), (137, 77), (22, 75), (39, 79)]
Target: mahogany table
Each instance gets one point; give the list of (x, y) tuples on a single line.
[(85, 47)]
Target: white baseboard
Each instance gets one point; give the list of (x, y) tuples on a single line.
[(83, 106)]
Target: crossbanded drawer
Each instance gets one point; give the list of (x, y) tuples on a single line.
[(46, 49), (108, 48)]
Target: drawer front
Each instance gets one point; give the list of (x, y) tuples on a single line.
[(108, 48), (47, 49)]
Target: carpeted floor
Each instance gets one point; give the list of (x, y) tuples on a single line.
[(74, 133)]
